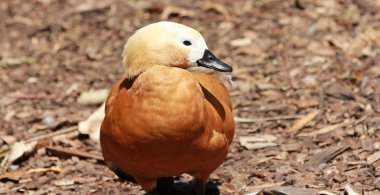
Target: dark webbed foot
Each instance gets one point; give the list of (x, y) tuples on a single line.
[(165, 184), (200, 187), (153, 192)]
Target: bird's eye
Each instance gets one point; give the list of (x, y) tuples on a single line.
[(187, 43)]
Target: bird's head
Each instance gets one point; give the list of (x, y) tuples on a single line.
[(168, 44)]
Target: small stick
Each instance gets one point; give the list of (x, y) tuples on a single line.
[(332, 128), (65, 153), (54, 134), (35, 96), (302, 122)]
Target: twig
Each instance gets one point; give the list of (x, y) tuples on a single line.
[(33, 170), (332, 128), (324, 130), (4, 161), (257, 120), (35, 96), (65, 153), (54, 134), (299, 124)]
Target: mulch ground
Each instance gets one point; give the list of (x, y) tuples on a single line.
[(306, 92)]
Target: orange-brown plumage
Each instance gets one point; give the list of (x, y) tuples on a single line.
[(163, 120)]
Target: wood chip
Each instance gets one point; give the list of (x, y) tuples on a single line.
[(258, 141), (64, 182), (373, 158), (307, 103), (302, 122), (325, 156), (287, 190), (290, 147), (339, 91), (240, 42)]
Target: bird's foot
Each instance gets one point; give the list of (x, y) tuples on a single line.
[(153, 192), (200, 187)]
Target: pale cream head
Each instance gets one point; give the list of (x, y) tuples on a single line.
[(163, 43)]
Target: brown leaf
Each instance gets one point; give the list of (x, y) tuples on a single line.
[(218, 8)]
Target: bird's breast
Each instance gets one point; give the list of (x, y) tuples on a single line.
[(165, 103)]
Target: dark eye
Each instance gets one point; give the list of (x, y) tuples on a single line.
[(187, 43)]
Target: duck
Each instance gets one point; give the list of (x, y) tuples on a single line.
[(162, 119)]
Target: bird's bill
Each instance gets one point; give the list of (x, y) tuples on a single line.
[(210, 61)]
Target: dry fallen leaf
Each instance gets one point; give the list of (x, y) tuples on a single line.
[(91, 126), (217, 8), (8, 139), (19, 149), (349, 190), (182, 12), (229, 187)]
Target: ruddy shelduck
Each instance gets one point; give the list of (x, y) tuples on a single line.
[(162, 120)]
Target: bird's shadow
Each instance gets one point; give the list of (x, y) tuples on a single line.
[(167, 186)]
